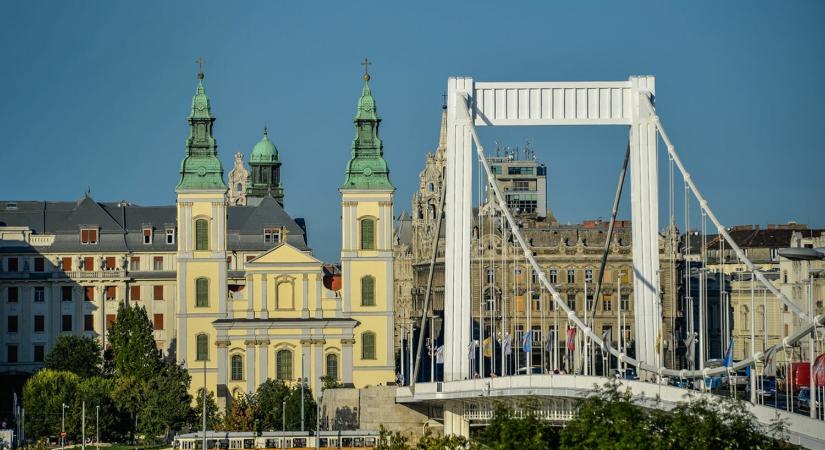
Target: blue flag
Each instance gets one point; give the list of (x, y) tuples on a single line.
[(729, 354), (527, 342)]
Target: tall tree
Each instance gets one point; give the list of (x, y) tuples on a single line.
[(43, 397), (168, 403), (269, 400), (133, 344), (213, 416), (96, 392), (240, 415), (130, 395), (77, 354), (293, 408)]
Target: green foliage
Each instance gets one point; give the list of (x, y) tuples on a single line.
[(270, 397), (130, 395), (80, 355), (240, 414), (610, 419), (43, 397), (214, 419), (167, 404), (388, 440), (95, 391), (330, 382), (452, 442), (509, 431), (293, 408), (133, 344)]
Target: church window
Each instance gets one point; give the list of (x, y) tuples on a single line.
[(284, 361), (368, 345), (430, 187), (170, 236), (202, 292), (367, 234), (368, 291), (431, 211), (332, 366), (272, 235), (202, 347), (237, 367), (147, 235), (201, 234), (238, 187), (88, 236)]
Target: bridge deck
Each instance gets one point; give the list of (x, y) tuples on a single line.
[(802, 430)]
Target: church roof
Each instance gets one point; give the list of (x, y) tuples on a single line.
[(121, 224), (264, 151)]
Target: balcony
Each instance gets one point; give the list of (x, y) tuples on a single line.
[(91, 274)]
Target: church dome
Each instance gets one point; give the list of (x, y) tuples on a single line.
[(264, 151)]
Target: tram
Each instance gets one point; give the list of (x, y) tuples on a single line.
[(228, 440)]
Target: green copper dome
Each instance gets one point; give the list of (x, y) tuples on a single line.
[(367, 169), (264, 151)]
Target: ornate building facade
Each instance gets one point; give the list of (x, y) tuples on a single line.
[(225, 274)]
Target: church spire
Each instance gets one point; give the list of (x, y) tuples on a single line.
[(367, 168), (201, 169), (440, 151)]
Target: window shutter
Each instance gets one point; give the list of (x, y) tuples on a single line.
[(367, 291), (88, 293), (202, 292), (93, 236), (201, 234), (84, 236), (110, 320), (158, 322), (368, 345), (110, 262), (134, 292), (88, 263), (158, 292), (367, 234), (67, 264), (111, 292)]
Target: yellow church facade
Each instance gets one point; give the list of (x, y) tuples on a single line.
[(270, 314)]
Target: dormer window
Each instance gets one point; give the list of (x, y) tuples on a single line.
[(147, 235), (170, 236), (272, 235), (88, 236)]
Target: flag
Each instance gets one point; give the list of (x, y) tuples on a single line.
[(571, 338), (488, 347), (507, 344), (770, 363), (607, 337), (819, 370), (472, 349), (548, 344), (691, 349), (729, 353), (439, 355), (527, 342)]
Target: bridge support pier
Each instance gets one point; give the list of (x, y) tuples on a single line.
[(454, 420)]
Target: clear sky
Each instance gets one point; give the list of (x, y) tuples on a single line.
[(97, 93)]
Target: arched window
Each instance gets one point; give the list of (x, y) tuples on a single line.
[(238, 187), (367, 234), (202, 292), (202, 347), (237, 367), (332, 366), (367, 291), (368, 345), (430, 187), (201, 234), (491, 275), (284, 361)]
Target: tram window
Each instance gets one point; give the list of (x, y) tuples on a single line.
[(270, 443), (358, 442), (346, 442), (371, 442), (299, 442), (248, 443)]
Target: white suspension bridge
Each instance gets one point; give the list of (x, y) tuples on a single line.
[(464, 394)]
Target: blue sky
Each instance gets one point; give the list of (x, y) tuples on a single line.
[(97, 94)]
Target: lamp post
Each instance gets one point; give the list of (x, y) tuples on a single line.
[(97, 427), (283, 425), (302, 391), (318, 416), (63, 425)]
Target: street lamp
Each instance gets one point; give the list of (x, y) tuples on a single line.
[(302, 380), (283, 425), (318, 415), (63, 409), (97, 427)]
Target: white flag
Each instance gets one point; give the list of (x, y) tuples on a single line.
[(439, 355), (507, 344), (472, 349)]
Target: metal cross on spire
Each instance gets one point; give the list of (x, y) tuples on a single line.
[(199, 62), (366, 63)]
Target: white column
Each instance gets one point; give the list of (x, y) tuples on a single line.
[(346, 361), (457, 289), (263, 360), (454, 420), (250, 296), (264, 302), (319, 312), (318, 371), (305, 297), (644, 199), (222, 360), (250, 366)]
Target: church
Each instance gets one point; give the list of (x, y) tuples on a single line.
[(225, 274)]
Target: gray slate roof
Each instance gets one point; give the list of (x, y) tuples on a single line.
[(121, 224)]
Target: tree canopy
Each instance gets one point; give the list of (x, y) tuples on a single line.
[(80, 355), (134, 352)]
